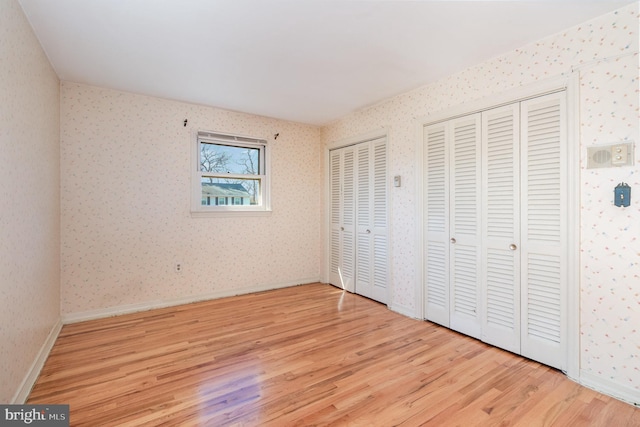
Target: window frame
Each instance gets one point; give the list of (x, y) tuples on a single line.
[(213, 210)]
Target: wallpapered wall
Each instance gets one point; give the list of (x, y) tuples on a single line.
[(29, 198), (125, 200), (609, 242)]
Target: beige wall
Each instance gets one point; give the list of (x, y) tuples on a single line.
[(610, 247), (29, 199), (126, 199)]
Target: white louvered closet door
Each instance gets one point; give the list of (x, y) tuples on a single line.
[(364, 249), (544, 218), (380, 222), (335, 185), (342, 218), (464, 238), (495, 188), (501, 227), (371, 217), (436, 217)]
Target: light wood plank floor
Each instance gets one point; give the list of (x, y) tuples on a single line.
[(303, 356)]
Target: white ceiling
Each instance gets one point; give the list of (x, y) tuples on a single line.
[(309, 61)]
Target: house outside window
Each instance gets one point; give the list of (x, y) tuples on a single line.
[(230, 174)]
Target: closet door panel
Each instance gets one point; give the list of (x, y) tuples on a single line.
[(358, 216), (436, 198), (342, 237), (543, 219), (464, 256), (501, 228), (379, 229), (371, 208), (364, 245), (335, 238), (348, 220)]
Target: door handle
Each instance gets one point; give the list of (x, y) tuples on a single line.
[(453, 240), (513, 247), (368, 231), (341, 228)]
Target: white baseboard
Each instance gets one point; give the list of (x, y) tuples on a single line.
[(405, 311), (34, 370), (150, 305), (610, 388)]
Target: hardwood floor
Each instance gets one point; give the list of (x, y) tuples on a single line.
[(303, 356)]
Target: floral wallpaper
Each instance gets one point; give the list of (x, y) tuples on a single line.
[(125, 204), (604, 52), (29, 199)]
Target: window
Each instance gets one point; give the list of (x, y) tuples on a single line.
[(230, 174)]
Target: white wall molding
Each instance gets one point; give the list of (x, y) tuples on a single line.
[(405, 311), (610, 388), (419, 291), (572, 360), (29, 380), (150, 305)]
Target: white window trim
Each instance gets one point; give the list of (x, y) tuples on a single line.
[(202, 211)]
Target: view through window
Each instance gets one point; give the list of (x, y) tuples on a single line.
[(231, 173)]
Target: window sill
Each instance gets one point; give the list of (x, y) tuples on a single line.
[(229, 213)]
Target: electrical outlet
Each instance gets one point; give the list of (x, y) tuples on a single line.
[(178, 267)]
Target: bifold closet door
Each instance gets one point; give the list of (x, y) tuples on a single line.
[(358, 216), (495, 220), (436, 218), (544, 223), (501, 227), (371, 220), (464, 224), (524, 221), (342, 218), (452, 253)]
